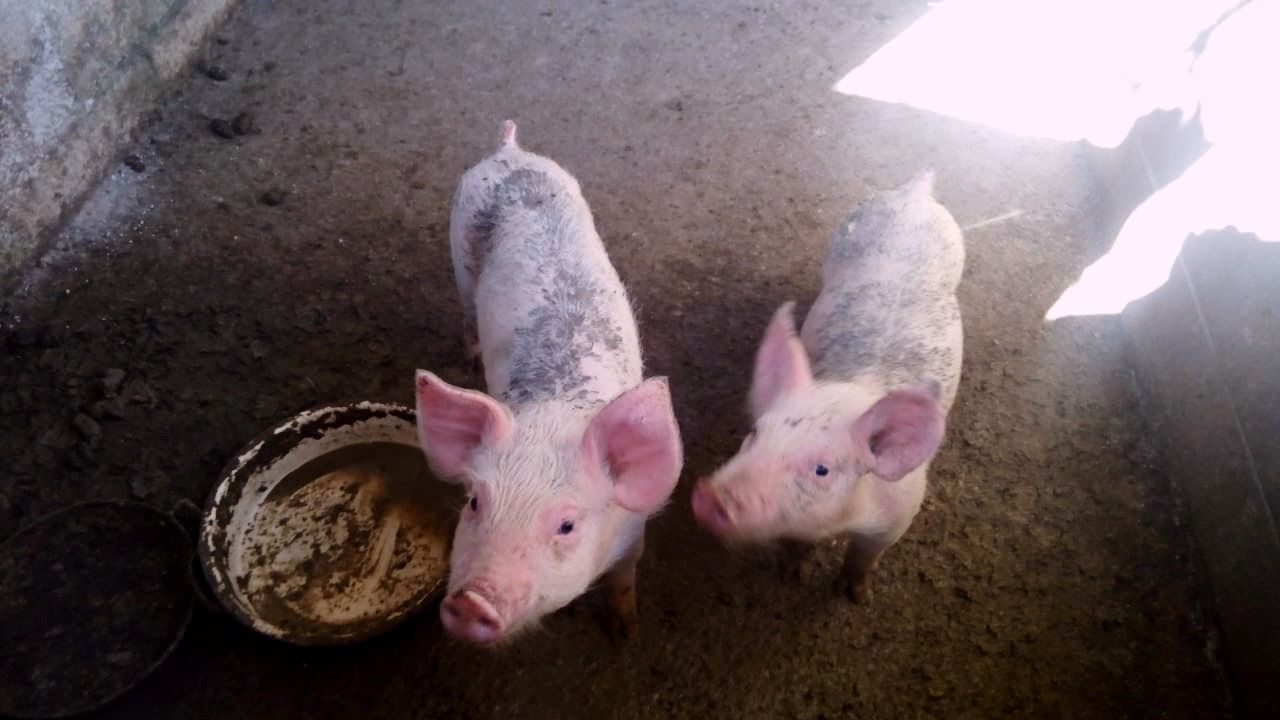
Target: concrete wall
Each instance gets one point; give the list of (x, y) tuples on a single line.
[(1206, 350), (75, 75)]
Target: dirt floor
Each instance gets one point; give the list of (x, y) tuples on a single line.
[(235, 280)]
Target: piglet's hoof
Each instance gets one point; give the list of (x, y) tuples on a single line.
[(622, 629), (798, 571), (858, 591), (619, 624), (616, 610)]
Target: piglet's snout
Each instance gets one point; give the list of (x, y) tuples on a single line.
[(710, 508), (469, 615)]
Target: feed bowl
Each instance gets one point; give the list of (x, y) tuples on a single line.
[(329, 528), (92, 599)]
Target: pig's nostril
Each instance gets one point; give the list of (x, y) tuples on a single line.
[(470, 615)]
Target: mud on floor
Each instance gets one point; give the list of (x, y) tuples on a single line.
[(239, 277)]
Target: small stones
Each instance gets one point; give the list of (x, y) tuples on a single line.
[(112, 379), (217, 73), (86, 426), (112, 401), (222, 128), (272, 197), (134, 163), (245, 124)]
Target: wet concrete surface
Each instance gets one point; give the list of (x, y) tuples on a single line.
[(235, 280)]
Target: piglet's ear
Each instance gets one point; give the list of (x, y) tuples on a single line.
[(899, 433), (636, 438), (453, 422), (782, 365)]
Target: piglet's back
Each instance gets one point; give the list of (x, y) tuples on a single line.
[(552, 314), (887, 314)]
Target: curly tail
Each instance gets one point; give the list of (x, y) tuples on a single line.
[(922, 182), (508, 135)]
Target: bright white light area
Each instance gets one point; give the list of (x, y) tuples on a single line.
[(1232, 184), (1056, 69), (1073, 70), (1223, 188)]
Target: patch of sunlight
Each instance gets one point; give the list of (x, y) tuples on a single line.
[(1072, 70), (1149, 242), (1055, 69), (1231, 185)]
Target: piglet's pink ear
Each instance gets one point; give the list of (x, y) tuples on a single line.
[(636, 438), (453, 422), (782, 365), (899, 433)]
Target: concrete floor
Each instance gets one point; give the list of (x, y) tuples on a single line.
[(1047, 575)]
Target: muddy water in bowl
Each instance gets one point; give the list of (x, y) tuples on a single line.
[(330, 528), (347, 538)]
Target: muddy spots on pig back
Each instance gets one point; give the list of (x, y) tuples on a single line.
[(530, 188), (879, 326), (567, 328), (524, 188), (480, 238)]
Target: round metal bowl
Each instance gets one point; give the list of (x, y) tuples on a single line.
[(329, 528), (92, 599)]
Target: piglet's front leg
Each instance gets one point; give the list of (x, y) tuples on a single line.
[(797, 561), (860, 560), (471, 346), (621, 620)]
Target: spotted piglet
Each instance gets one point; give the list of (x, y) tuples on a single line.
[(571, 451), (848, 415)]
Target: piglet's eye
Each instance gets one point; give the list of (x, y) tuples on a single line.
[(821, 470), (474, 504), (566, 527)]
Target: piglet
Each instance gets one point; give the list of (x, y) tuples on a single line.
[(849, 415), (571, 451)]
